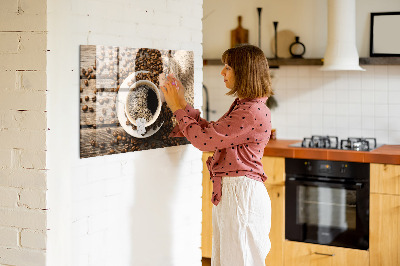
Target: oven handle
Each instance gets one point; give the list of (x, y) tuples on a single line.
[(324, 254), (357, 185)]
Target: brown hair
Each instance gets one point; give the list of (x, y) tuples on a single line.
[(250, 66)]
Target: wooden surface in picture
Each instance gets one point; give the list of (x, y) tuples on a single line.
[(102, 70)]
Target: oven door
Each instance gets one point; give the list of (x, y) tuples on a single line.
[(327, 213)]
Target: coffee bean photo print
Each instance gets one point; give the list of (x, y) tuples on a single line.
[(122, 108)]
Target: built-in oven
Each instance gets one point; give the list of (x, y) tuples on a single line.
[(327, 202)]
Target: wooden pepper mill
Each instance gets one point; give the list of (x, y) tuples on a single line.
[(239, 35)]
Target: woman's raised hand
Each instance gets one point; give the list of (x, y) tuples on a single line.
[(174, 93)]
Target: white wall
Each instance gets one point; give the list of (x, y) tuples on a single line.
[(23, 133), (311, 102), (306, 19), (140, 208)]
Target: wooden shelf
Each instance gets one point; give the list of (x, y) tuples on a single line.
[(380, 61), (274, 63)]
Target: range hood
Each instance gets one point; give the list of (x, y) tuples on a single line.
[(341, 51)]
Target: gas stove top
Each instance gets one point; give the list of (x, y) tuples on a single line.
[(332, 142)]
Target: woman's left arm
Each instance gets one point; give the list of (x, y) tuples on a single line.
[(239, 127)]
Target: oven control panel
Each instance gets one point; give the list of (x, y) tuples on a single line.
[(337, 169)]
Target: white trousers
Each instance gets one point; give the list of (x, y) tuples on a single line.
[(241, 223)]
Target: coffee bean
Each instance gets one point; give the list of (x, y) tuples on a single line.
[(86, 82), (86, 98), (84, 108), (94, 98), (91, 109)]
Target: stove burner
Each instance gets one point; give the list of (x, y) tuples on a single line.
[(332, 142), (328, 142), (358, 144)]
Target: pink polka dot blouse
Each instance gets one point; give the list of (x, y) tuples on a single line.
[(238, 139)]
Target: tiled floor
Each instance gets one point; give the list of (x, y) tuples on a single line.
[(206, 261)]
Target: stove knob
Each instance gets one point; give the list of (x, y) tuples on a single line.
[(308, 166), (343, 168)]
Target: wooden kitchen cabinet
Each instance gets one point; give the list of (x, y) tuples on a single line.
[(385, 215), (206, 226), (277, 233), (274, 168), (305, 254), (385, 178)]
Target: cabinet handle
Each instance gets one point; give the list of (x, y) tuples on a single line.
[(324, 254)]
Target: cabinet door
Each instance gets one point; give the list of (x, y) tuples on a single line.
[(385, 178), (206, 232), (277, 233), (274, 168), (304, 254), (384, 230)]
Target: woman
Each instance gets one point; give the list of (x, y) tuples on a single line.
[(242, 208)]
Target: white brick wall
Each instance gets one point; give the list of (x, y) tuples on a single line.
[(23, 132), (140, 208)]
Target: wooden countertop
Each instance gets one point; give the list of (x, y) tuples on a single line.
[(389, 154)]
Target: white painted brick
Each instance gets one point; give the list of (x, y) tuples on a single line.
[(8, 197), (31, 15), (23, 100), (8, 237), (17, 256), (16, 158), (33, 159), (80, 227), (33, 239), (197, 166), (23, 178), (34, 120), (9, 42), (7, 80), (5, 158), (31, 56), (33, 199), (8, 6), (23, 139), (22, 218), (98, 222), (31, 80)]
